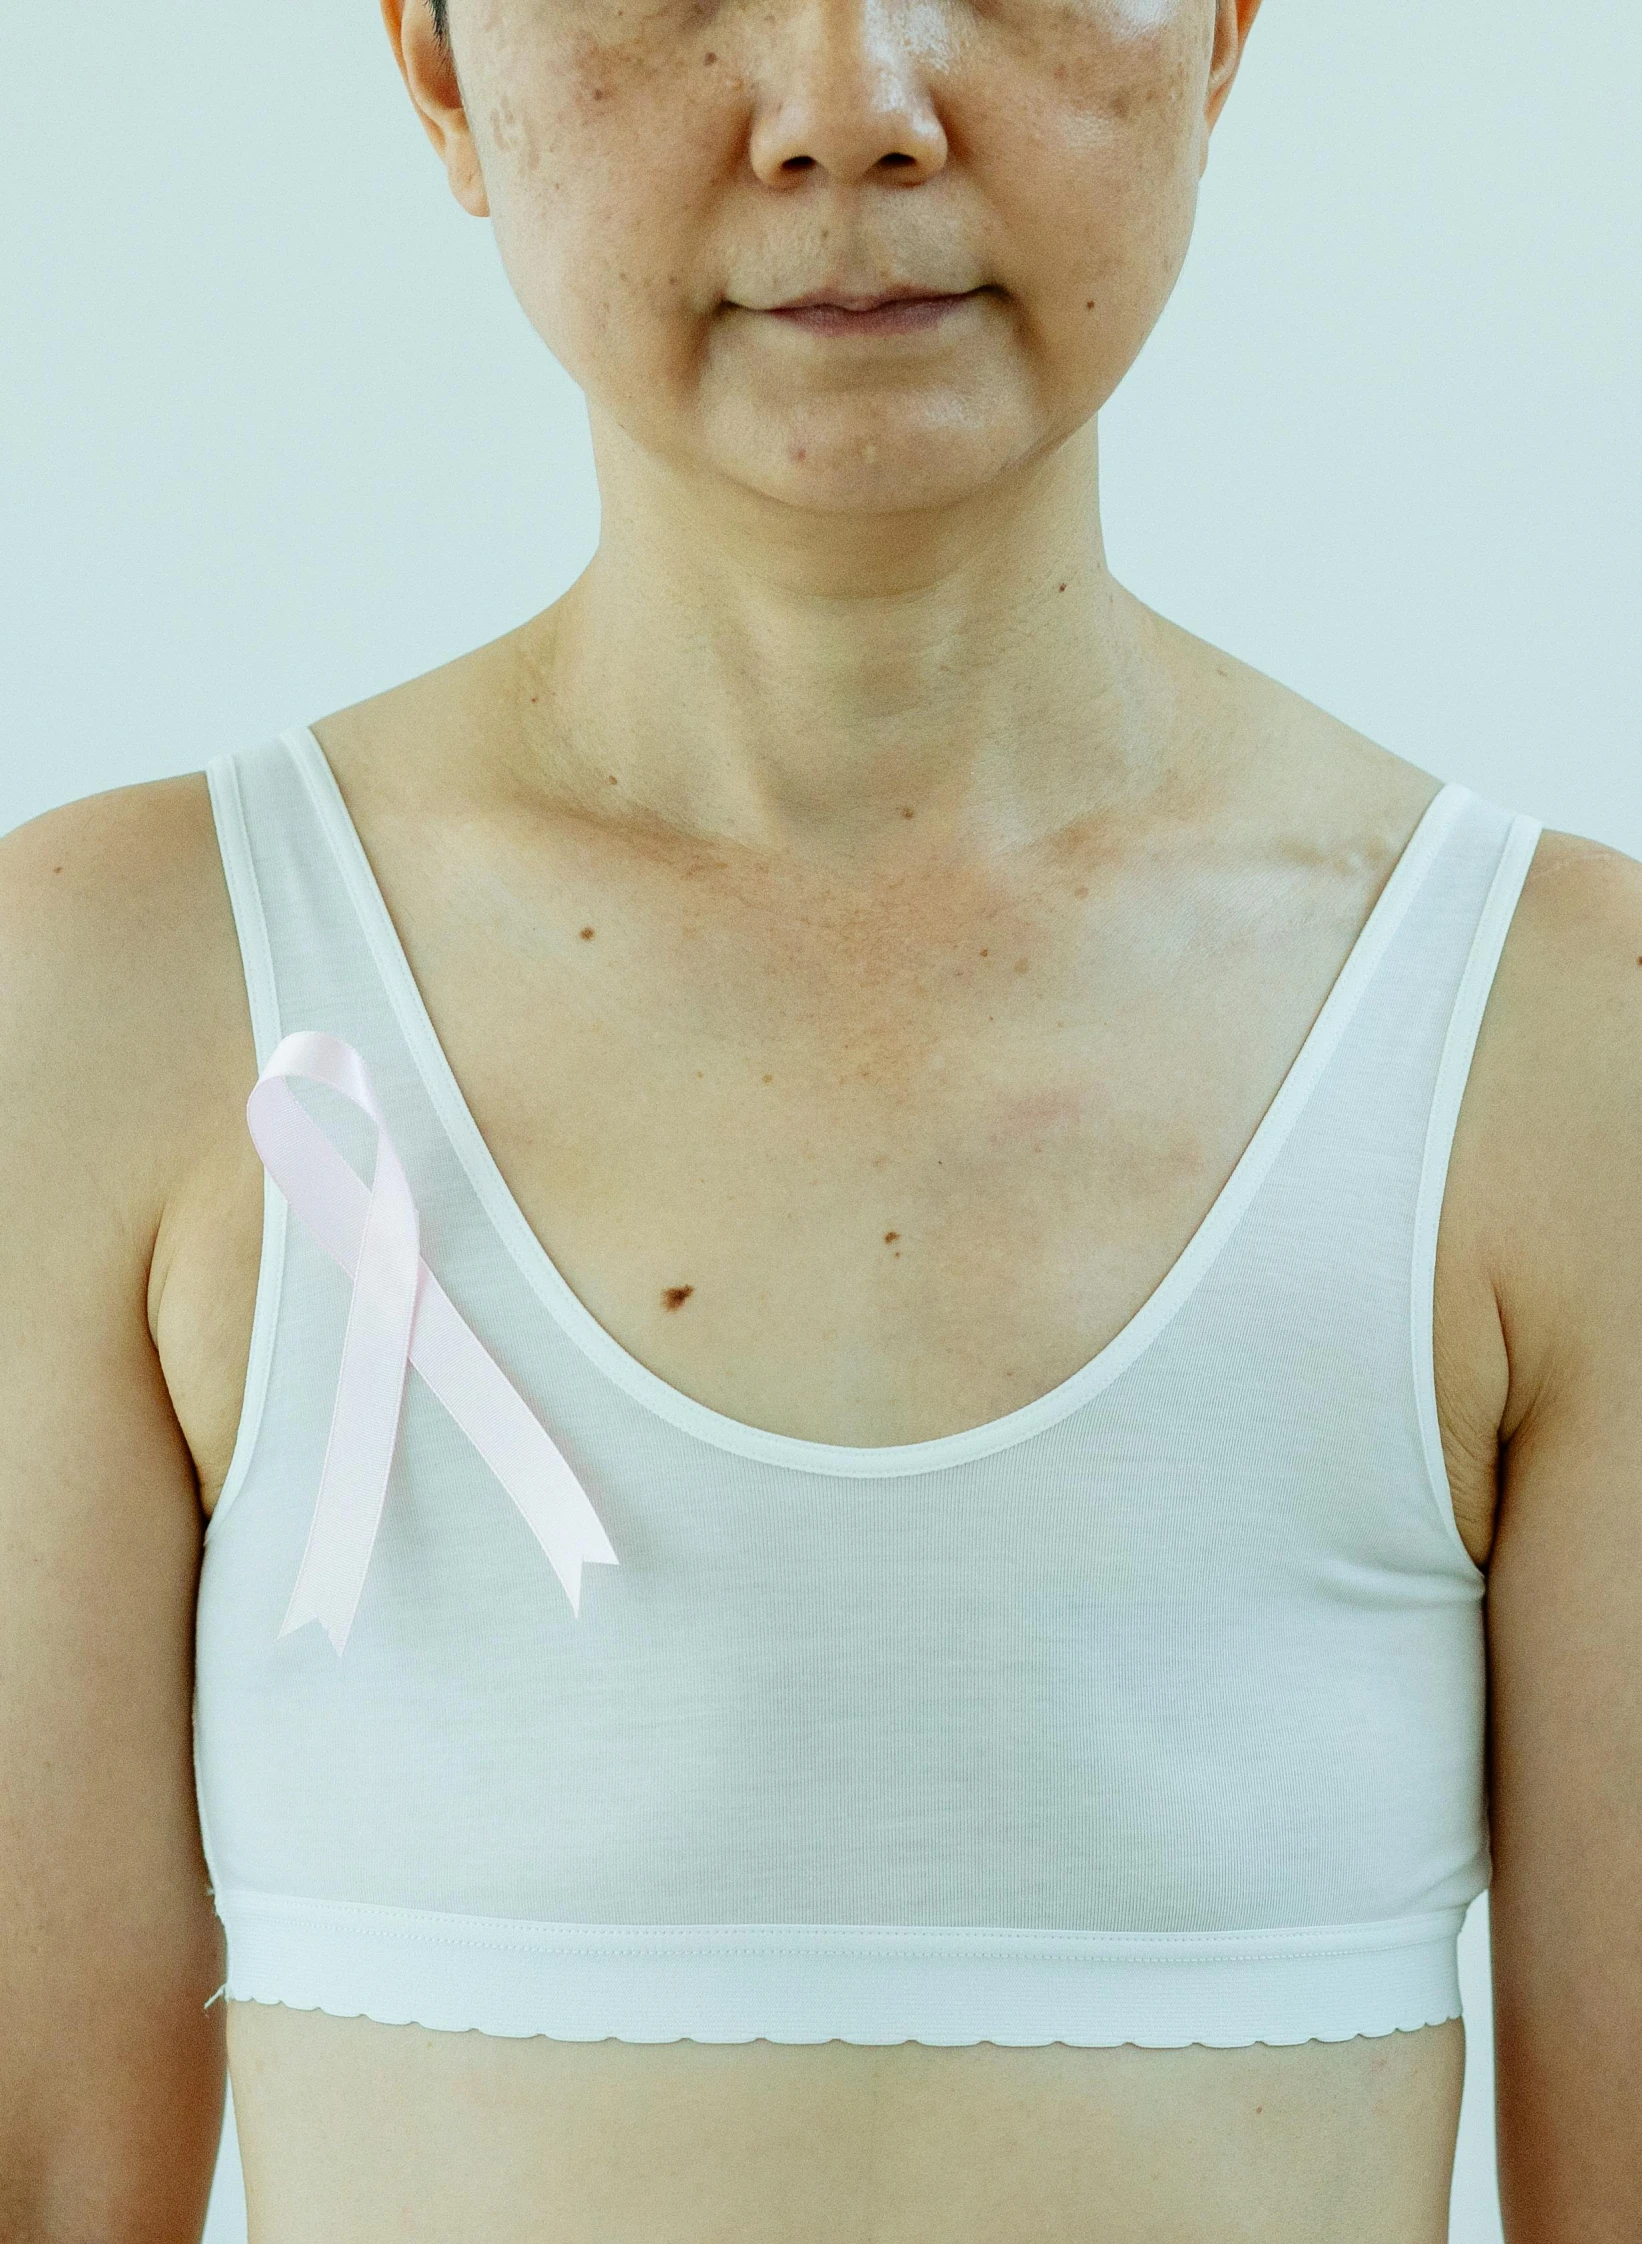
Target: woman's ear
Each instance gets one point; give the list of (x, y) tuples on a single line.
[(1234, 20), (428, 68)]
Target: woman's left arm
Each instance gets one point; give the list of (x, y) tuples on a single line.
[(1556, 1131)]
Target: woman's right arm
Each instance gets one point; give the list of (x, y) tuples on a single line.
[(112, 2071)]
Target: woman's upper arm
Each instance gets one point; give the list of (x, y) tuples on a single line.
[(111, 2067), (1560, 1068)]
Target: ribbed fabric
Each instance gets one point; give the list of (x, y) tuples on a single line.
[(1151, 1712)]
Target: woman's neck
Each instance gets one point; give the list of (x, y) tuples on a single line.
[(806, 698)]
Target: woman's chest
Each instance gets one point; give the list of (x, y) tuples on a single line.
[(868, 1180)]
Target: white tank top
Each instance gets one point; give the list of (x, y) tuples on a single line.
[(1150, 1712)]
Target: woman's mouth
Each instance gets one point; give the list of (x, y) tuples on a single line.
[(901, 316)]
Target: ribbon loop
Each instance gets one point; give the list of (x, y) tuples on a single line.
[(399, 1315)]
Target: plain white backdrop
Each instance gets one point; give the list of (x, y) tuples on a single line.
[(274, 434)]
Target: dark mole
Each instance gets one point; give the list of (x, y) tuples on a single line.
[(587, 934), (986, 954), (1063, 588), (674, 1297), (709, 58), (1089, 307), (907, 814), (598, 93), (890, 1238), (614, 781)]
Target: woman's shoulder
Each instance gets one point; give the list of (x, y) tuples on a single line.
[(1565, 1020), (1548, 1159), (122, 1003)]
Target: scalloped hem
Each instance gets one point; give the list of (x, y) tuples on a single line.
[(869, 1986)]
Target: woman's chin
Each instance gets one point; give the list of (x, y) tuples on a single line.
[(907, 472)]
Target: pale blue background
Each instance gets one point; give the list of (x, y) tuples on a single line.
[(274, 434)]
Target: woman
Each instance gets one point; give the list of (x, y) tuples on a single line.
[(934, 1090)]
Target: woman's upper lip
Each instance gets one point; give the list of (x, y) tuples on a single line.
[(844, 303)]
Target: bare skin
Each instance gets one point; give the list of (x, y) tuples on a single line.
[(885, 804)]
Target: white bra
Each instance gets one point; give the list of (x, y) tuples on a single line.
[(1150, 1712)]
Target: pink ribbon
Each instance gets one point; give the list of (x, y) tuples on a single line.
[(399, 1315)]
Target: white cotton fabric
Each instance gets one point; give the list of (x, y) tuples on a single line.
[(1151, 1712)]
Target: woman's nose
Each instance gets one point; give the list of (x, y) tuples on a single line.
[(845, 88)]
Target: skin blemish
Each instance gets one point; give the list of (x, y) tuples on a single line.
[(800, 452), (890, 1238), (1063, 588), (614, 781), (58, 869), (907, 813), (771, 1078), (1089, 307), (674, 1297), (986, 954), (1082, 895), (708, 60), (1021, 965), (587, 934)]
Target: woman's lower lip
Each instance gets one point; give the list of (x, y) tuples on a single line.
[(888, 319)]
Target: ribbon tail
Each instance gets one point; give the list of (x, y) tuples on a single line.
[(509, 1437), (365, 1417)]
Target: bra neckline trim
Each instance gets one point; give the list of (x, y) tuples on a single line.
[(840, 1459)]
